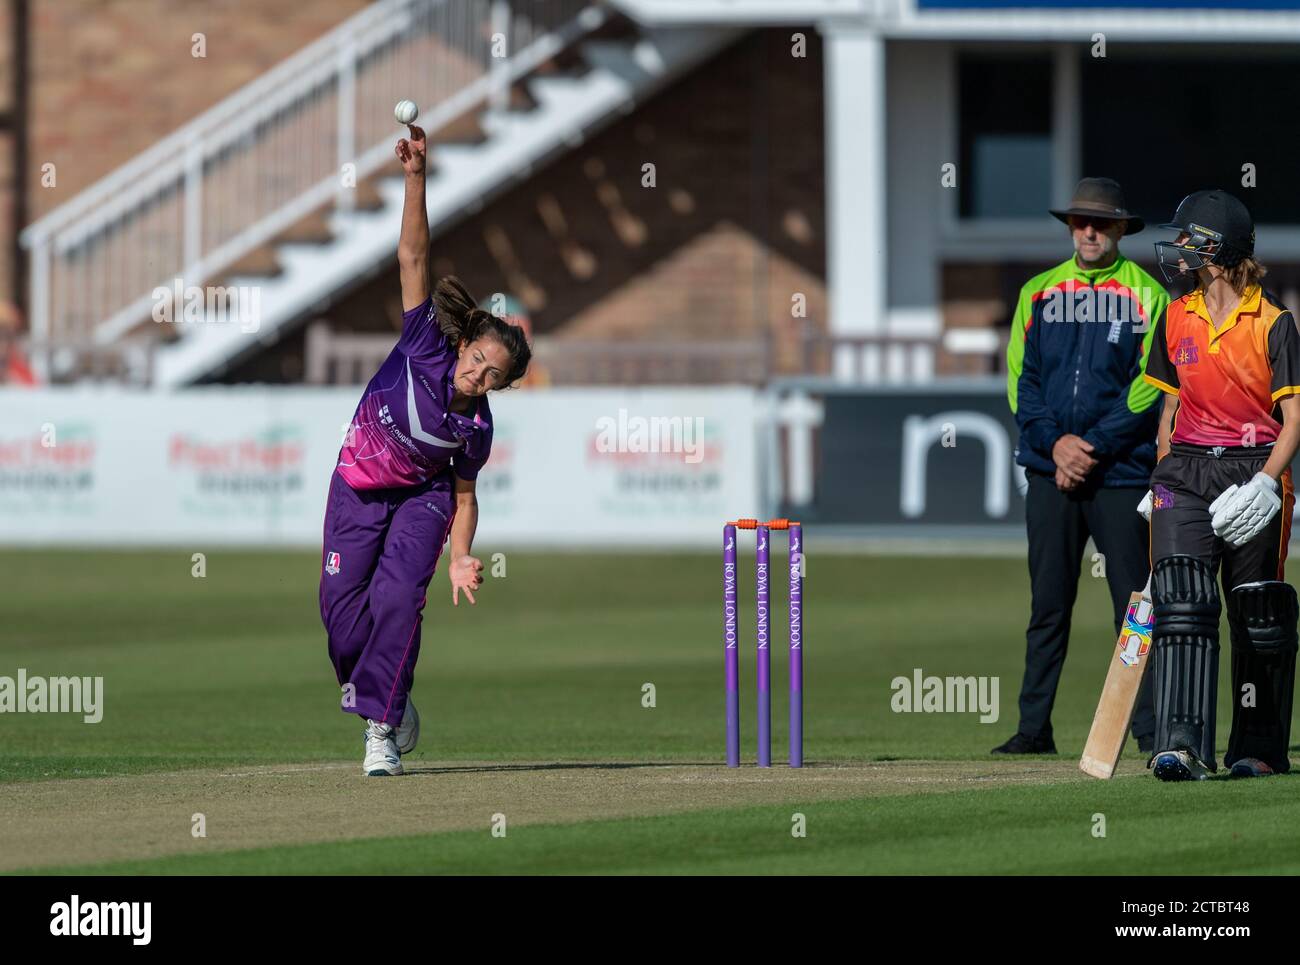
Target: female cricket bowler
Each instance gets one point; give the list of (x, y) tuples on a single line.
[(1227, 355), (405, 482)]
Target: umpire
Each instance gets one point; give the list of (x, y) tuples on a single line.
[(1087, 421)]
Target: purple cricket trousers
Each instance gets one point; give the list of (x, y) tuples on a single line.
[(380, 550)]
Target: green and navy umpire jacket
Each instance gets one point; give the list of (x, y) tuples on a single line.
[(1075, 360)]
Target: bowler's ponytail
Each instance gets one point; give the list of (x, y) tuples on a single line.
[(454, 305)]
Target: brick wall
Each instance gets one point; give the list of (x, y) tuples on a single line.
[(111, 77), (734, 227)]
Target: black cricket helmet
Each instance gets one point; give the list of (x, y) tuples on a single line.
[(1219, 229)]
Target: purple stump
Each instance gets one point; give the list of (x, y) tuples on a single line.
[(796, 645), (762, 656), (731, 657)]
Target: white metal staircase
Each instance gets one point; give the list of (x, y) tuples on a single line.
[(296, 140)]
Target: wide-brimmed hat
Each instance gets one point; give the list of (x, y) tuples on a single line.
[(1100, 198)]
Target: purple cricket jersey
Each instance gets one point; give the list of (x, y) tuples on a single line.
[(404, 432)]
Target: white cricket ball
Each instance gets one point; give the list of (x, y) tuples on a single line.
[(406, 112)]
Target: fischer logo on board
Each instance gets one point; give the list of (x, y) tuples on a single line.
[(658, 455), (269, 462), (36, 463)]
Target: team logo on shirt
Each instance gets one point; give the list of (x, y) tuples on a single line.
[(332, 563), (1186, 353), (384, 417)]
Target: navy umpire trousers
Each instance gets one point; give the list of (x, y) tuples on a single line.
[(1059, 525)]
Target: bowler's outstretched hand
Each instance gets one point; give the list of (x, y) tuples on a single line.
[(466, 574), (411, 152)]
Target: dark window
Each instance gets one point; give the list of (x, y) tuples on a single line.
[(1005, 135), (1169, 126)]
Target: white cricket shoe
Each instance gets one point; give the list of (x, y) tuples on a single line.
[(408, 731), (382, 759)]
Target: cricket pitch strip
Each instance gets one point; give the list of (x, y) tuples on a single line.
[(50, 823)]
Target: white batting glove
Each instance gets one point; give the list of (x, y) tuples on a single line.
[(1144, 507), (1224, 498), (1241, 512)]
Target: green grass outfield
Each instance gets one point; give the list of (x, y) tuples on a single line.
[(1218, 827), (230, 671)]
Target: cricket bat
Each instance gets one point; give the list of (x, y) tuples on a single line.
[(1115, 709)]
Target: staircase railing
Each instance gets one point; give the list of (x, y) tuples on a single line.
[(292, 141)]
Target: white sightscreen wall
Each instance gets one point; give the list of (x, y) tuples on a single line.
[(250, 466)]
